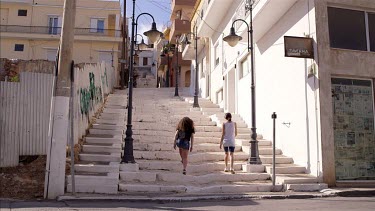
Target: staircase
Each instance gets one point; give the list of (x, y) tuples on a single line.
[(159, 170)]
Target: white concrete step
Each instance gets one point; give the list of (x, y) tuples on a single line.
[(193, 168), (207, 129), (108, 157), (112, 167), (195, 157), (295, 179), (108, 126), (263, 150), (97, 188), (286, 169), (105, 183), (201, 147), (106, 132), (169, 139), (167, 188), (114, 111), (146, 176), (100, 140), (106, 115), (115, 148), (212, 109), (246, 142), (110, 121), (306, 187), (280, 159)]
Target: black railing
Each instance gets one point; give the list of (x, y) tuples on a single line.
[(57, 30)]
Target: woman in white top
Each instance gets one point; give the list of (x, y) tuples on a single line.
[(229, 132)]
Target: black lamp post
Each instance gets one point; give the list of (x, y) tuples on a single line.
[(195, 104), (232, 39), (152, 35)]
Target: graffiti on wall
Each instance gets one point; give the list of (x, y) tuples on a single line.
[(90, 96)]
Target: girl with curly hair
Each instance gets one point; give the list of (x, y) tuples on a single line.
[(184, 139)]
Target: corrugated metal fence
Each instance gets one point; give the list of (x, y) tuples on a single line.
[(25, 109), (24, 116)]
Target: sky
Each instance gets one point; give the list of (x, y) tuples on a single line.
[(160, 9)]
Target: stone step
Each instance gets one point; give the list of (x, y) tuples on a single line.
[(107, 184), (98, 188), (110, 121), (246, 142), (106, 132), (108, 126), (212, 109), (168, 188), (305, 187), (263, 150), (113, 105), (109, 157), (205, 147), (194, 157), (118, 111), (295, 179), (169, 139), (100, 140), (280, 159), (149, 176), (107, 115), (115, 148), (286, 169), (207, 129), (112, 167), (175, 166)]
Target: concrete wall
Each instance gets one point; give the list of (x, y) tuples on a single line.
[(283, 86), (337, 62)]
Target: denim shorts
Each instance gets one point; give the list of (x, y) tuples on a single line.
[(183, 144), (230, 149)]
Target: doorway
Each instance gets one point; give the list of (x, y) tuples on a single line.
[(353, 124)]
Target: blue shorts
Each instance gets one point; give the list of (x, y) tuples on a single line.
[(183, 144), (230, 149)]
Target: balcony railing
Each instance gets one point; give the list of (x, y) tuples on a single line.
[(57, 30)]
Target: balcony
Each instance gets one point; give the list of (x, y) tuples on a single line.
[(53, 32), (178, 27), (182, 4)]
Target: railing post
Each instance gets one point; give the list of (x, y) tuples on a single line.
[(274, 116)]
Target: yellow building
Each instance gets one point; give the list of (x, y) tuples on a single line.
[(30, 29)]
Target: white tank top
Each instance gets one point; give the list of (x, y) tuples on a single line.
[(229, 135)]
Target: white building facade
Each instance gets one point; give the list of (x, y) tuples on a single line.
[(325, 105)]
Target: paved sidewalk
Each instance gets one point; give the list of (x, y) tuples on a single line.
[(344, 192)]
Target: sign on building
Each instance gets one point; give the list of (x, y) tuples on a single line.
[(300, 47)]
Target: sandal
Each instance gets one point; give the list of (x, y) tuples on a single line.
[(184, 172), (226, 170), (232, 171)]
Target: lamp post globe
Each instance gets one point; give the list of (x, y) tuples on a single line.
[(153, 34), (232, 39)]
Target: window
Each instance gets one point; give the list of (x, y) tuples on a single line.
[(54, 26), (22, 12), (347, 29), (371, 26), (216, 52), (19, 47), (97, 25), (244, 68), (145, 61)]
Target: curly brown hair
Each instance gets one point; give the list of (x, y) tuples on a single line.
[(185, 124)]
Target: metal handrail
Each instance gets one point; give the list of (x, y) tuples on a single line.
[(57, 30)]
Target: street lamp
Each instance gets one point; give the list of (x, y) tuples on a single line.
[(194, 33), (141, 46), (152, 35), (232, 39)]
